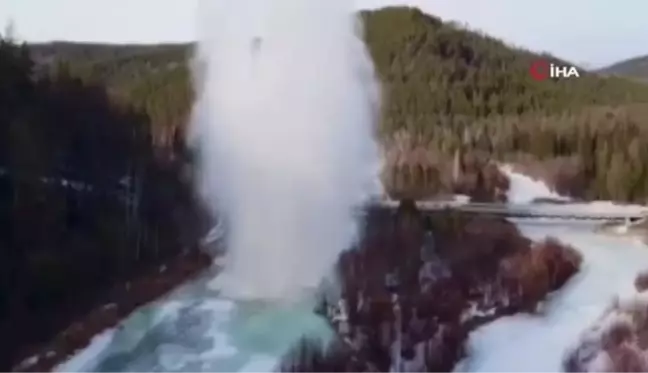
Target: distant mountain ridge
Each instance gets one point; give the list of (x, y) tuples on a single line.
[(635, 68)]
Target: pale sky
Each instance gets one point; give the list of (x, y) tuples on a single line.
[(589, 32)]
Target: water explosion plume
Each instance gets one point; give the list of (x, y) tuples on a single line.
[(283, 125)]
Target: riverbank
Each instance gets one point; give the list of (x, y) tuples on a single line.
[(118, 302)]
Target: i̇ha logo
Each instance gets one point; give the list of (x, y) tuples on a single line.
[(542, 70)]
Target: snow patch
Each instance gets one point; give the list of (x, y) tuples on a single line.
[(525, 189), (84, 361), (474, 312), (28, 362), (461, 198)]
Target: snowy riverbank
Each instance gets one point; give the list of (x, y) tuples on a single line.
[(540, 342)]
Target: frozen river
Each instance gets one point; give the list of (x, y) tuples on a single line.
[(524, 343)]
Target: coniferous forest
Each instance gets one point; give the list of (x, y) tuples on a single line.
[(86, 199), (446, 89), (95, 179)]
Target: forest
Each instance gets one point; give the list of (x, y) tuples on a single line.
[(86, 199), (447, 90), (95, 178)]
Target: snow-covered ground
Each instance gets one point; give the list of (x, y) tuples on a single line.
[(538, 343), (524, 342), (525, 189)]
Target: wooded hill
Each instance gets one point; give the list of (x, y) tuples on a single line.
[(446, 88), (86, 200)]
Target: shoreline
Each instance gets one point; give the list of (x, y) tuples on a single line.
[(122, 299)]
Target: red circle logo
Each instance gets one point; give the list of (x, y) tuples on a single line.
[(539, 70)]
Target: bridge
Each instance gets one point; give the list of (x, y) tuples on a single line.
[(568, 211)]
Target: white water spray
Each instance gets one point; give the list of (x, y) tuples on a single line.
[(283, 125)]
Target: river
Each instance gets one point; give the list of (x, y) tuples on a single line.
[(194, 330)]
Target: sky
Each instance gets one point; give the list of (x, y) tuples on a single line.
[(592, 33)]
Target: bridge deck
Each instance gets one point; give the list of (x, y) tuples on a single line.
[(536, 210)]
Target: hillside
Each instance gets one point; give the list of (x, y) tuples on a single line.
[(437, 67), (447, 89), (416, 54), (635, 68)]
